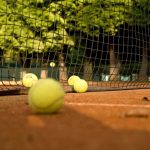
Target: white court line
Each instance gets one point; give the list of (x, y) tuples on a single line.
[(108, 105)]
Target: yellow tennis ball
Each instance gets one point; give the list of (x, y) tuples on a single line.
[(52, 64), (46, 96), (72, 79), (80, 86), (29, 79)]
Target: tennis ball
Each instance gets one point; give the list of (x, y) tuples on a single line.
[(52, 64), (72, 79), (46, 96), (80, 86), (29, 79)]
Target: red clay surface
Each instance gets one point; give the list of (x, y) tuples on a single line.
[(88, 121)]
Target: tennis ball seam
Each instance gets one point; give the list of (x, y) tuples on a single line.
[(46, 96), (50, 105), (29, 79)]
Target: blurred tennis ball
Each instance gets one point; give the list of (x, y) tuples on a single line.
[(46, 96), (80, 86), (72, 79), (52, 64), (29, 79)]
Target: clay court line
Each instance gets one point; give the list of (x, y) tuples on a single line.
[(108, 105)]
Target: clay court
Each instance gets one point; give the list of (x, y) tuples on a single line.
[(90, 121)]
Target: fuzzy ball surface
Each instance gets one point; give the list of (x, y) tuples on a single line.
[(52, 64), (29, 79), (46, 96), (73, 79), (80, 86)]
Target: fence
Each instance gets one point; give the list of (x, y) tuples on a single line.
[(106, 42)]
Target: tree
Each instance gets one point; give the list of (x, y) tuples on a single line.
[(28, 27), (92, 16), (140, 18)]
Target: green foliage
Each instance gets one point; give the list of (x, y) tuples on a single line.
[(30, 25), (36, 26), (140, 13), (89, 16)]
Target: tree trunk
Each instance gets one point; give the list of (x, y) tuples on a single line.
[(63, 77), (114, 65), (22, 73), (144, 66), (88, 72), (25, 60), (8, 56), (24, 63), (44, 73)]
